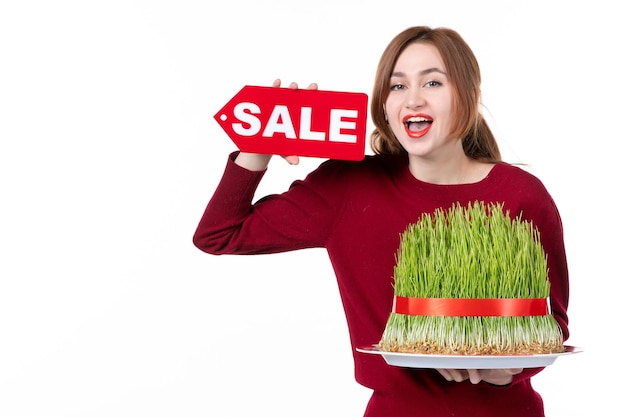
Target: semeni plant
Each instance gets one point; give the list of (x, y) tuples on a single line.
[(473, 252)]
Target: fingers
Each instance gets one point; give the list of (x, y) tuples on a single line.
[(500, 376), (475, 376), (446, 374), (292, 159), (294, 85), (456, 375), (277, 83), (460, 375)]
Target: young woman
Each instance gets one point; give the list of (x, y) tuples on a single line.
[(432, 149)]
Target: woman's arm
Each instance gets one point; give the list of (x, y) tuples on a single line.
[(232, 224)]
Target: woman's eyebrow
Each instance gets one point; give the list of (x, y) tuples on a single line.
[(422, 72)]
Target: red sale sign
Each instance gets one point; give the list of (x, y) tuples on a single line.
[(284, 121)]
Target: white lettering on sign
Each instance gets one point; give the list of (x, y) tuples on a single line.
[(280, 112), (305, 126), (280, 122), (241, 113), (337, 124)]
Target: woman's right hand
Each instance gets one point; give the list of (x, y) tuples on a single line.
[(259, 162)]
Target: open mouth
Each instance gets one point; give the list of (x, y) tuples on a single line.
[(417, 126)]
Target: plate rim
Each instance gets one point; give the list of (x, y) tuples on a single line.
[(436, 361), (373, 349)]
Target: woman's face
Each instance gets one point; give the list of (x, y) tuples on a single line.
[(419, 105)]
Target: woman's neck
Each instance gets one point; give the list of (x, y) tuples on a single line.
[(459, 170)]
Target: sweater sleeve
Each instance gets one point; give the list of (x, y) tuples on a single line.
[(553, 240), (544, 214), (296, 219)]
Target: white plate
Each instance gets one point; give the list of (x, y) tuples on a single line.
[(414, 360)]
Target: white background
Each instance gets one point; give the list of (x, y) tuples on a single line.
[(109, 153)]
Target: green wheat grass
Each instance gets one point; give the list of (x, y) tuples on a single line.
[(476, 251)]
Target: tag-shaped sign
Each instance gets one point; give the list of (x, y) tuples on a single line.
[(284, 121)]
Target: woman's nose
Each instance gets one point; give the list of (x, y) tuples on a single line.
[(414, 99)]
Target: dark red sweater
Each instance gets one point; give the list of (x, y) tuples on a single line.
[(357, 211)]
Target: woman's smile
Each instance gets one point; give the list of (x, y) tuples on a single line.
[(417, 125)]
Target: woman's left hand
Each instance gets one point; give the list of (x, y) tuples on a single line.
[(491, 376)]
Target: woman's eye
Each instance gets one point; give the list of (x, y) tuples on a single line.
[(395, 87), (432, 84)]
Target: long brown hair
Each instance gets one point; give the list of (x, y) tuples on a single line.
[(464, 74)]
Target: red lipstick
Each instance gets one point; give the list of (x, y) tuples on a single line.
[(417, 125)]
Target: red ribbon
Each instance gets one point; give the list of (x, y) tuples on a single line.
[(470, 306)]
